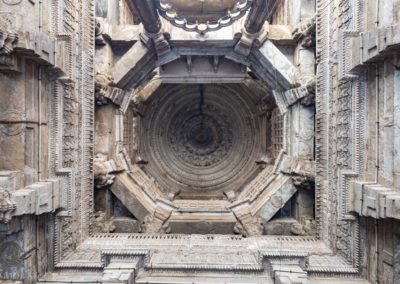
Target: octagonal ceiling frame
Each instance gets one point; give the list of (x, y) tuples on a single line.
[(234, 43), (152, 198)]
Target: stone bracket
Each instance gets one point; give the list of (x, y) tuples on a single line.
[(157, 40), (38, 198), (304, 33), (247, 40), (360, 49), (120, 97), (286, 99), (374, 200)]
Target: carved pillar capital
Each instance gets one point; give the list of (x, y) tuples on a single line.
[(255, 30), (159, 41)]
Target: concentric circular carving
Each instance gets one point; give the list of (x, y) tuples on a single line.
[(200, 140), (200, 136)]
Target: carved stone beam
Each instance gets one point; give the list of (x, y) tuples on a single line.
[(273, 67), (134, 66), (152, 25)]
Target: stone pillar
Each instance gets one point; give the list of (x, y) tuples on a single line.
[(152, 25), (257, 16), (253, 26), (148, 14)]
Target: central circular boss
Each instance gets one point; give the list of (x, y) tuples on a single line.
[(200, 139)]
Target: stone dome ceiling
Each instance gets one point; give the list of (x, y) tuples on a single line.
[(201, 140)]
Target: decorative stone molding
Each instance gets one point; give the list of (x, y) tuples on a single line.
[(7, 206), (359, 49), (54, 51)]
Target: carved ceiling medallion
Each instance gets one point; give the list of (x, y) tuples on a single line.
[(194, 134)]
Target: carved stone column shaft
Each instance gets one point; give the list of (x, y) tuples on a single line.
[(148, 14), (257, 16)]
